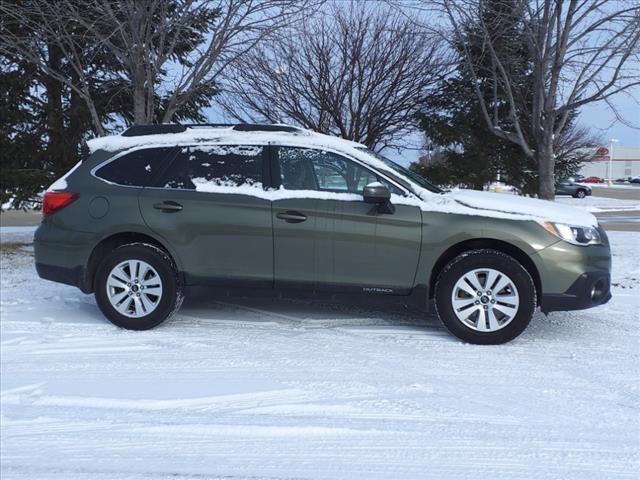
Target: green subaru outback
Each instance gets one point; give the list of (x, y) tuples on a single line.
[(160, 211)]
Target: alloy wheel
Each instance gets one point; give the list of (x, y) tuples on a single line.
[(485, 300), (134, 288)]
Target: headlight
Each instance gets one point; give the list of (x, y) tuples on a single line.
[(574, 234)]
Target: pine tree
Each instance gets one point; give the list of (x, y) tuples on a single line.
[(43, 122)]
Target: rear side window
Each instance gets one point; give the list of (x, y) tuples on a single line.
[(206, 168), (136, 168)]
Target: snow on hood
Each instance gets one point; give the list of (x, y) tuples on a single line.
[(509, 205)]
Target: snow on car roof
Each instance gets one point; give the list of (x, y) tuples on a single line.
[(192, 135)]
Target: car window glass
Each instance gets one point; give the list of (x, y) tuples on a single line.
[(136, 168), (206, 167), (311, 169)]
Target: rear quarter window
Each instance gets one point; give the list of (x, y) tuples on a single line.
[(136, 169)]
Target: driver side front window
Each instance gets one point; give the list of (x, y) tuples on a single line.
[(310, 169)]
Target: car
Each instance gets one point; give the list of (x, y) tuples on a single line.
[(161, 212), (635, 180), (592, 180), (567, 187)]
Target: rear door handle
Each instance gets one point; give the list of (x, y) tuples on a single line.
[(168, 206), (291, 217)]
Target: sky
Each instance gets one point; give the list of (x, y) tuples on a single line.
[(601, 119)]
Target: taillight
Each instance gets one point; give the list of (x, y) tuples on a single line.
[(54, 201)]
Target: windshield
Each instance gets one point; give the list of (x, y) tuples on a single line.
[(404, 175)]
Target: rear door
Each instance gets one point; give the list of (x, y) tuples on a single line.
[(209, 205), (326, 236)]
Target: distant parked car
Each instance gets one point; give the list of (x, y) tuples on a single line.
[(635, 180), (592, 180), (567, 187)]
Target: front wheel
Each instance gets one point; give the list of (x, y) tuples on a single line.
[(137, 286), (485, 297)]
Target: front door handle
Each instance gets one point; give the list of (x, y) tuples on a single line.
[(291, 217), (168, 206)]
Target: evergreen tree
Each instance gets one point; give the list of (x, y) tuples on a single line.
[(44, 122), (23, 158), (452, 118)]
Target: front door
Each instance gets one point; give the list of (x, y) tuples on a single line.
[(563, 188), (326, 236), (210, 206)]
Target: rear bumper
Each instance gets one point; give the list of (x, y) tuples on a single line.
[(69, 276), (589, 290), (61, 255)]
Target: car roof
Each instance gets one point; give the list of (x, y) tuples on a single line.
[(218, 134)]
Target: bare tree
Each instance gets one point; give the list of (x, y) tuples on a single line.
[(146, 38), (580, 52), (356, 70), (165, 51)]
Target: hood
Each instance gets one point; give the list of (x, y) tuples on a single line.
[(529, 207)]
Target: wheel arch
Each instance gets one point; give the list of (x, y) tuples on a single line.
[(490, 243), (113, 241)]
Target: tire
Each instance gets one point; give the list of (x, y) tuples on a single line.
[(514, 297), (580, 194), (126, 303)]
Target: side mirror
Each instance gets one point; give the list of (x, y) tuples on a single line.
[(380, 195)]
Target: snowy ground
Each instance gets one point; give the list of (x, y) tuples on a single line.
[(283, 390)]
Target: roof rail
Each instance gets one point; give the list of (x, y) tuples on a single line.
[(264, 127), (139, 130)]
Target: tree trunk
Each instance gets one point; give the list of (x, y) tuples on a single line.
[(546, 165), (55, 118), (139, 104)]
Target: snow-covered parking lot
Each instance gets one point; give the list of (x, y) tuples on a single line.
[(281, 389)]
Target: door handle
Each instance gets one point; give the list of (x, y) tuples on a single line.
[(291, 217), (168, 206)]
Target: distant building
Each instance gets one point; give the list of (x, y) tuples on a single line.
[(626, 163)]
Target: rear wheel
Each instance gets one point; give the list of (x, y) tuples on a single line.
[(137, 286), (485, 297)]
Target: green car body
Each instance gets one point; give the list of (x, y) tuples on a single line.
[(344, 245)]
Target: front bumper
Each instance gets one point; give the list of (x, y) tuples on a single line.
[(589, 290), (574, 277)]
